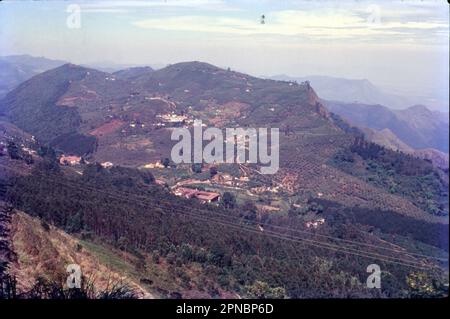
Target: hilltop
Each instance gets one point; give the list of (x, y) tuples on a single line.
[(120, 196), (105, 118)]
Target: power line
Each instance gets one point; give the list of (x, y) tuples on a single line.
[(242, 227), (327, 245), (172, 205)]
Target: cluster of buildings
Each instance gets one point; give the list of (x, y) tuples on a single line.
[(173, 119), (72, 160), (228, 180), (133, 124), (29, 151), (202, 196), (23, 148), (157, 164), (315, 223), (264, 189)]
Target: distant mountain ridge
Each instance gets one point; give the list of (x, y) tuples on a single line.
[(358, 91), (190, 80), (15, 69), (385, 205), (386, 138), (77, 108), (416, 126), (105, 118)]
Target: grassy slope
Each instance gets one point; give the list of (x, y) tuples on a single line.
[(47, 253)]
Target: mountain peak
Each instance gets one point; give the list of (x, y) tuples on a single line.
[(72, 71), (71, 66), (193, 66)]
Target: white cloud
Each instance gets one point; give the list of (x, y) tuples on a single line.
[(142, 4), (328, 24)]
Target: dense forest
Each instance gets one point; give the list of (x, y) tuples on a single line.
[(75, 143), (398, 173), (125, 209)]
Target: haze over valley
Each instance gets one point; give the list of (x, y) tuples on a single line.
[(90, 112)]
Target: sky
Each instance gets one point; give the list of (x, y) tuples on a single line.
[(399, 45)]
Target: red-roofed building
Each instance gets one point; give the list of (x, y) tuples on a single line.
[(207, 197), (203, 196)]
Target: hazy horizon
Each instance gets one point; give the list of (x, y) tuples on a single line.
[(401, 46)]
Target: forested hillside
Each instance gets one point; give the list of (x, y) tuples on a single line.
[(128, 211), (88, 153)]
